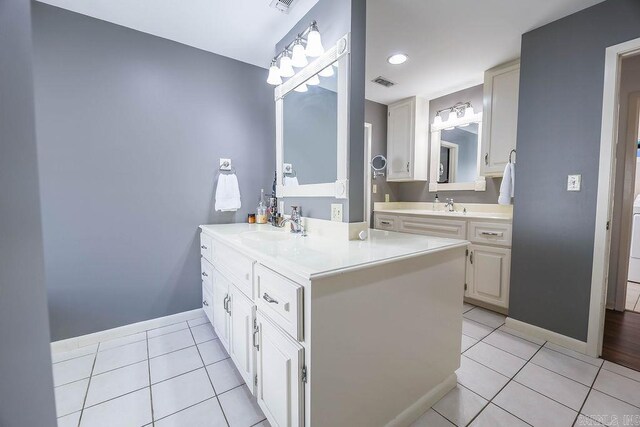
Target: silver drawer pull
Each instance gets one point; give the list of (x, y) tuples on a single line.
[(205, 274), (490, 233), (385, 223), (205, 303), (268, 299), (203, 247)]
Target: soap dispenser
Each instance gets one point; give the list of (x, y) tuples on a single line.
[(261, 210), (435, 201)]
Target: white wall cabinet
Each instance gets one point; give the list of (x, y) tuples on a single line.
[(488, 258), (500, 117), (280, 375), (407, 129), (488, 274)]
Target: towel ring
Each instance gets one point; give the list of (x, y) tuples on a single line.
[(512, 152)]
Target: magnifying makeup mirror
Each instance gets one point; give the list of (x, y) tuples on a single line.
[(378, 164)]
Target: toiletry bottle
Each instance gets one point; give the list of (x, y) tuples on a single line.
[(261, 210), (435, 201)]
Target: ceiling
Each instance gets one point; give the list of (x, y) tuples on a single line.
[(246, 30), (450, 43)]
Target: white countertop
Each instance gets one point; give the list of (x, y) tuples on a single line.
[(313, 257), (452, 215)]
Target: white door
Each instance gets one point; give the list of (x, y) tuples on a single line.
[(220, 313), (241, 337), (400, 134), (488, 274), (279, 366)]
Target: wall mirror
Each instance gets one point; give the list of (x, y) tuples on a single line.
[(311, 128), (455, 151)]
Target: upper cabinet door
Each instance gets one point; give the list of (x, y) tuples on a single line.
[(500, 122), (407, 140)]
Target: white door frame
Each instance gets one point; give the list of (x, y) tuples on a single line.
[(604, 205), (367, 173)]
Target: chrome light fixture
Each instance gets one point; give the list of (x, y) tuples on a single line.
[(286, 69), (307, 43), (274, 75), (457, 112), (314, 42)]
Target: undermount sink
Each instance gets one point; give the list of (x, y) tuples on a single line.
[(262, 236)]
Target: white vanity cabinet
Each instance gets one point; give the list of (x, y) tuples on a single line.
[(500, 117), (407, 127), (488, 256)]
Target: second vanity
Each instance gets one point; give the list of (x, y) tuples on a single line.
[(330, 332), (486, 226)]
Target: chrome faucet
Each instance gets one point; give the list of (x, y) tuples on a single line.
[(449, 206), (296, 222)]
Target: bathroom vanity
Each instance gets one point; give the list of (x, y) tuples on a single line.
[(330, 332), (486, 226)]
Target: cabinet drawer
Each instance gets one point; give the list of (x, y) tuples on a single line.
[(206, 273), (206, 247), (490, 233), (207, 302), (433, 227), (281, 299), (237, 267), (386, 222)]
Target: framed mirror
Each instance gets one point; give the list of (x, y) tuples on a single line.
[(311, 128), (455, 152)]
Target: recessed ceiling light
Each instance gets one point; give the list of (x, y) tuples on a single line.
[(397, 59)]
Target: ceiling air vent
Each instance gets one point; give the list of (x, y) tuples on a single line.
[(282, 5), (382, 81)]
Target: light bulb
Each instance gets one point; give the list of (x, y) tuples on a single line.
[(453, 116), (468, 112), (314, 43), (301, 88), (286, 70), (298, 58), (397, 59), (437, 120), (274, 75), (313, 81), (326, 72)]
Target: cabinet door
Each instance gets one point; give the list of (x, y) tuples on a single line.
[(279, 366), (220, 313), (500, 124), (241, 338), (488, 274), (400, 139)]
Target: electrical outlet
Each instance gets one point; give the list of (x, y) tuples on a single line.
[(336, 212), (386, 198), (374, 189), (573, 182)]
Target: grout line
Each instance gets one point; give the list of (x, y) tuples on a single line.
[(209, 376), (116, 397), (146, 334), (184, 409), (573, 357), (84, 401), (587, 396)]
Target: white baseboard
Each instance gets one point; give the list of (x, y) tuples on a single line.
[(134, 328), (547, 335), (422, 405)]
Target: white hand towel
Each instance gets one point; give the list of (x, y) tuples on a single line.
[(290, 181), (508, 184), (227, 193)]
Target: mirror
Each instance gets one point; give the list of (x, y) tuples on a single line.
[(310, 131), (312, 127), (455, 154), (378, 164)]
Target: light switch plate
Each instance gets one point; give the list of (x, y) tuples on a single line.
[(574, 182), (336, 212), (374, 188), (386, 198)]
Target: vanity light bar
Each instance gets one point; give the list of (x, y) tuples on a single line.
[(461, 108), (295, 54)]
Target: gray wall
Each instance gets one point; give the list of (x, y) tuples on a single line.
[(559, 120), (419, 191), (26, 383), (131, 127), (336, 18)]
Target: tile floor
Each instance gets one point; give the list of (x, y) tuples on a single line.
[(633, 297), (177, 375), (509, 379), (180, 375)]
